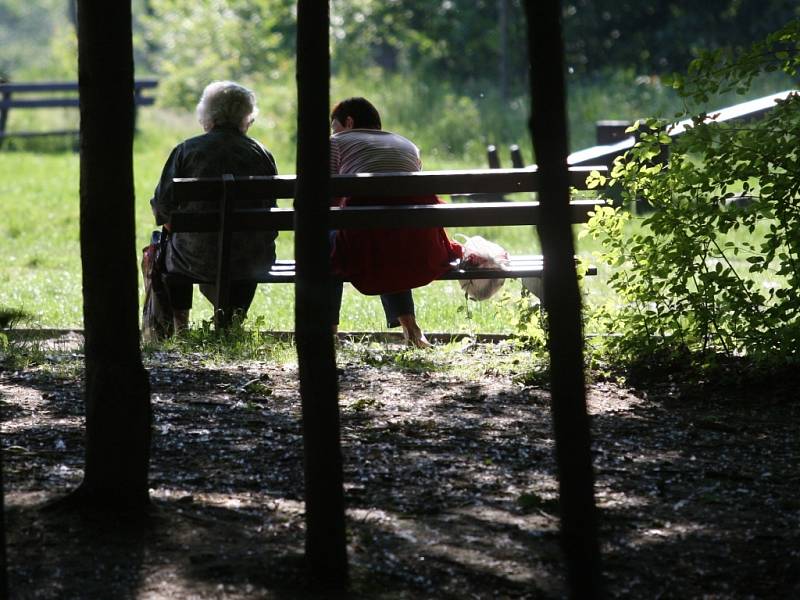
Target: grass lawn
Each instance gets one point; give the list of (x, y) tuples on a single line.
[(41, 274)]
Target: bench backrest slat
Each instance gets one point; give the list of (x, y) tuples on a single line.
[(64, 86), (58, 96), (499, 181)]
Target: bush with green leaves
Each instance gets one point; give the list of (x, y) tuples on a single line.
[(198, 42), (714, 268)]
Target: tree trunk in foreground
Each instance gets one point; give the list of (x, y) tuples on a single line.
[(118, 416), (562, 301), (326, 551), (3, 560)]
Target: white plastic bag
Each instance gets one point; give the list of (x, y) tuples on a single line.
[(480, 253)]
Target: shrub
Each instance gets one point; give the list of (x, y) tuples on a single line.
[(708, 272)]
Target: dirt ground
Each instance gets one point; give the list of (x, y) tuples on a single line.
[(450, 481)]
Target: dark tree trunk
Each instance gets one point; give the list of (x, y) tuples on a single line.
[(118, 415), (3, 563), (562, 301), (72, 13), (326, 552), (502, 65)]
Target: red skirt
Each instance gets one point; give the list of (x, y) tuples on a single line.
[(385, 261)]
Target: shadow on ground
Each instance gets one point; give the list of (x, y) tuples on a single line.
[(450, 488)]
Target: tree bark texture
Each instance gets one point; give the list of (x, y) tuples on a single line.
[(326, 552), (118, 413), (502, 65), (562, 300), (3, 557)]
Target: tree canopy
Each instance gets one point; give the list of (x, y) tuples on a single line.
[(464, 41), (661, 37)]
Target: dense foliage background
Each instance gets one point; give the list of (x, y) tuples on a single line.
[(451, 72)]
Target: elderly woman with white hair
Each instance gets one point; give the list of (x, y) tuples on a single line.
[(226, 110)]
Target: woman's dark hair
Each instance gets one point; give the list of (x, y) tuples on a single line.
[(364, 115)]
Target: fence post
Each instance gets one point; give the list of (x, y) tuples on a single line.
[(610, 131), (492, 157), (5, 96), (516, 157)]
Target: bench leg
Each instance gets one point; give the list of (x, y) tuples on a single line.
[(222, 302), (223, 312), (180, 320)]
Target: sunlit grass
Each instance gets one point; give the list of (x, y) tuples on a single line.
[(241, 342), (41, 267), (41, 273)]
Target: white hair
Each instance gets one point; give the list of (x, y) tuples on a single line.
[(226, 103)]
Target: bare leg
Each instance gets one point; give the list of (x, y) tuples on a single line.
[(412, 333)]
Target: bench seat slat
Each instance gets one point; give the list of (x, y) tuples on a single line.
[(39, 103), (283, 271)]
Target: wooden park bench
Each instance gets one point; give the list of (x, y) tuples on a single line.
[(233, 195), (58, 94)]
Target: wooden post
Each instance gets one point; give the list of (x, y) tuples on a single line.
[(137, 98), (516, 157), (492, 157), (5, 96), (3, 556), (326, 551), (562, 301), (502, 63), (610, 131)]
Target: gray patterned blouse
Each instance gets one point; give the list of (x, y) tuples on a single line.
[(220, 151)]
